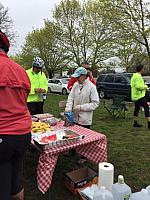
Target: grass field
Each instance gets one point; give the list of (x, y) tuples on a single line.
[(128, 151)]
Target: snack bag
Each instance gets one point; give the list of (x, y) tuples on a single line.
[(69, 121)]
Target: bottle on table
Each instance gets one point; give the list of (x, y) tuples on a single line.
[(120, 190), (43, 96), (102, 194)]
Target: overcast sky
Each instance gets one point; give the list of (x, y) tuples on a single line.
[(27, 15)]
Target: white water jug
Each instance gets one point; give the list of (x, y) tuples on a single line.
[(102, 194), (120, 190), (148, 189), (142, 195)]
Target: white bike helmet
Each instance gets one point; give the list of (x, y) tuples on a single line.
[(38, 62)]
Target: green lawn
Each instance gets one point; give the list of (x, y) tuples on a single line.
[(128, 151)]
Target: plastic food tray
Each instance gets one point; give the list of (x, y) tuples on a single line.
[(52, 121), (43, 116), (60, 134)]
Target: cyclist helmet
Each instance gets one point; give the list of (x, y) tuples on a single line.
[(4, 42), (38, 62)]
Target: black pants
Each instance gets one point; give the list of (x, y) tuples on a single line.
[(35, 107), (12, 151), (141, 103), (85, 126)]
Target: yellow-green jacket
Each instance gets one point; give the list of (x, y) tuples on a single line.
[(37, 81), (138, 87)]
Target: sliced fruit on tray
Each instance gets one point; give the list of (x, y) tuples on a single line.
[(47, 139)]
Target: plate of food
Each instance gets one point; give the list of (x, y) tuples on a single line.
[(40, 127), (43, 116), (57, 137), (52, 121)]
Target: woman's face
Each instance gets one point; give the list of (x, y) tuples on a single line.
[(142, 71), (81, 79)]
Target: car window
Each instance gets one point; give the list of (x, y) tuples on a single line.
[(64, 81), (58, 81), (51, 81), (101, 78), (128, 75), (120, 79), (109, 78)]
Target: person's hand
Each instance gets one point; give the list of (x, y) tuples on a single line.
[(38, 90), (148, 89), (67, 110), (77, 108), (43, 90)]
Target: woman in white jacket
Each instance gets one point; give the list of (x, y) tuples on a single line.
[(83, 99)]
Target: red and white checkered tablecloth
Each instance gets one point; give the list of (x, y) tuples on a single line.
[(93, 147)]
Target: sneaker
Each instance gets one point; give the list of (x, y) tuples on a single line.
[(137, 125)]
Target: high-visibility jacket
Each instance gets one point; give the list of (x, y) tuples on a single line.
[(37, 81), (138, 87)]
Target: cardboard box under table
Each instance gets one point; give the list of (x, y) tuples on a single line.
[(80, 178)]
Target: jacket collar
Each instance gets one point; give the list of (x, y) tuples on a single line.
[(3, 54)]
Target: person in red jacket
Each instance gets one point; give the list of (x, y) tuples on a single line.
[(15, 123), (72, 80)]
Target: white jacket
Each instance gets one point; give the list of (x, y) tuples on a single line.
[(88, 100)]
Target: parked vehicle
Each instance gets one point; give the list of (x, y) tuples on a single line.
[(58, 85), (109, 85)]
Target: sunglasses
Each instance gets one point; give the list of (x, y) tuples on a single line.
[(39, 67)]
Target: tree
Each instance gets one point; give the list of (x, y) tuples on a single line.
[(100, 30), (131, 20), (6, 23), (43, 43), (94, 31), (86, 32), (67, 16)]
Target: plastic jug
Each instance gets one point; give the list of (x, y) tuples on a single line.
[(102, 194), (120, 190), (142, 195), (148, 189)]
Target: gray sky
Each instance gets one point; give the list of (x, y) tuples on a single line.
[(28, 15)]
